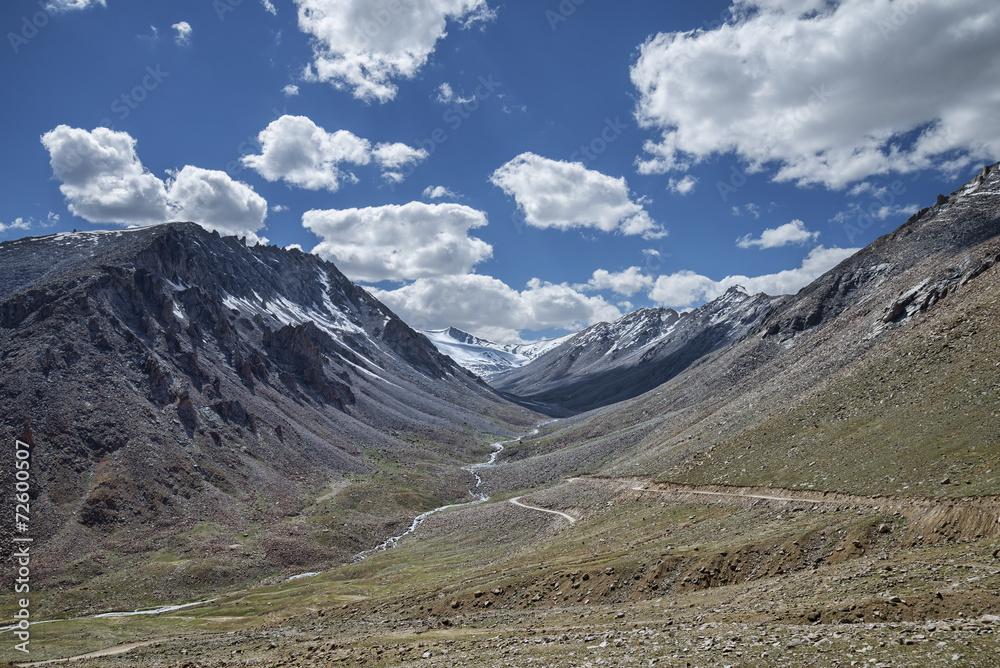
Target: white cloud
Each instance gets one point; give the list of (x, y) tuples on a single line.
[(445, 95), (269, 7), (298, 151), (488, 307), (393, 242), (390, 157), (365, 46), (102, 177), (626, 283), (216, 201), (183, 37), (794, 232), (17, 224), (104, 181), (438, 192), (830, 92), (683, 186), (290, 90), (686, 288), (279, 208), (566, 195), (68, 5)]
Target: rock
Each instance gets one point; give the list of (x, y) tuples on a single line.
[(884, 528), (455, 604), (946, 481)]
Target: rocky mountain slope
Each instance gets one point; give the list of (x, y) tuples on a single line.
[(486, 358), (880, 375), (201, 412), (610, 362)]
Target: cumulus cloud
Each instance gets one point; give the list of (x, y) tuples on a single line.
[(299, 152), (488, 307), (213, 198), (626, 283), (269, 7), (829, 92), (290, 90), (398, 243), (296, 150), (687, 288), (104, 181), (565, 195), (683, 186), (794, 232), (392, 157), (365, 46), (183, 36), (102, 178), (438, 192)]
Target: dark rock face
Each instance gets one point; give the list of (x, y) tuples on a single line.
[(171, 376)]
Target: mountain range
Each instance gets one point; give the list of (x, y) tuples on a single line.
[(219, 406), (208, 417)]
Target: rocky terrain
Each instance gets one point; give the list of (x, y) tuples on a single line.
[(203, 413)]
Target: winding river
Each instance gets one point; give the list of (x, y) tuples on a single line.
[(481, 497)]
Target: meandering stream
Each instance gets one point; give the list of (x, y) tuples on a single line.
[(481, 497)]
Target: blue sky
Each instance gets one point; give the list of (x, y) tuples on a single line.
[(516, 169)]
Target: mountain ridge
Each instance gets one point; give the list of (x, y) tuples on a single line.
[(169, 378)]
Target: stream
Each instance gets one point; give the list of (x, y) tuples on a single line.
[(480, 498)]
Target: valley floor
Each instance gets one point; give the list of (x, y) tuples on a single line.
[(648, 575)]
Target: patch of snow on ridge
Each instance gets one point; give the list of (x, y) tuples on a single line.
[(486, 358)]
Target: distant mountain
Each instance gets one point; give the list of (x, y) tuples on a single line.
[(243, 409), (486, 358), (610, 362)]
